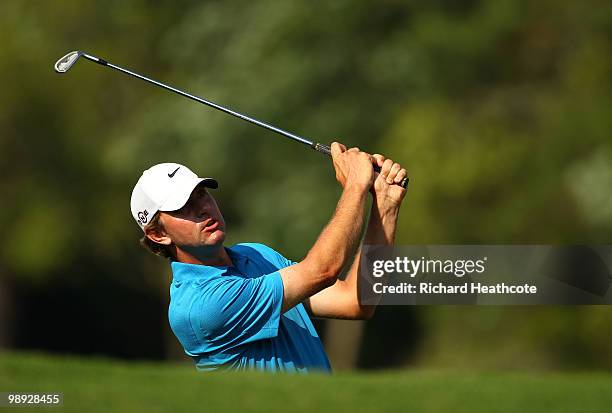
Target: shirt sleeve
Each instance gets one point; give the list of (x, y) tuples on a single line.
[(276, 257), (234, 310)]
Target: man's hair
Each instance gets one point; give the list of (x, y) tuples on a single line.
[(155, 247)]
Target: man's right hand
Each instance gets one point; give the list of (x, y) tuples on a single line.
[(353, 167)]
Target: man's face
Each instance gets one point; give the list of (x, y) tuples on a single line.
[(198, 223)]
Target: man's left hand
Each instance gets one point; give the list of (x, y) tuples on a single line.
[(386, 189)]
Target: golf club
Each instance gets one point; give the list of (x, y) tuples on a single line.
[(65, 63)]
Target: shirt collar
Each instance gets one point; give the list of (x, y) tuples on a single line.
[(183, 272)]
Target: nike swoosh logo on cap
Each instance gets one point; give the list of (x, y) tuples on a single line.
[(172, 174)]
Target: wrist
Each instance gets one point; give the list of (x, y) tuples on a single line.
[(385, 208), (355, 186), (382, 225)]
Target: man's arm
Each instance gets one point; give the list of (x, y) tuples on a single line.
[(342, 300), (339, 239)]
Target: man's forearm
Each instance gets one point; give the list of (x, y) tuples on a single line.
[(380, 231), (341, 300), (339, 239)]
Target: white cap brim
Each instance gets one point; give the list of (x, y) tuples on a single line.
[(180, 196)]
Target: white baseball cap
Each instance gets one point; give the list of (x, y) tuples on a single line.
[(164, 187)]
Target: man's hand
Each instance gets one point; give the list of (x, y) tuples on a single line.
[(387, 193), (352, 166)]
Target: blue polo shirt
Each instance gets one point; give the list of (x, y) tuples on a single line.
[(230, 317)]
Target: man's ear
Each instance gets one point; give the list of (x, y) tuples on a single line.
[(158, 235)]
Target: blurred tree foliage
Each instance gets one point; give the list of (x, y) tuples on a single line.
[(499, 110)]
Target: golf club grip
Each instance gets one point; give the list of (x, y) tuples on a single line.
[(327, 150)]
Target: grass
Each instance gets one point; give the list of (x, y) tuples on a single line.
[(102, 385)]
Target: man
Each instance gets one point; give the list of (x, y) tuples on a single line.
[(247, 306)]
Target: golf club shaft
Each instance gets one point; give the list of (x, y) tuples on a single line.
[(314, 145)]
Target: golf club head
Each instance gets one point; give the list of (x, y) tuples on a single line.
[(66, 62)]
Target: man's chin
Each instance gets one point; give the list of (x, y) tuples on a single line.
[(212, 242)]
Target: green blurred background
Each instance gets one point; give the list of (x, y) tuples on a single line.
[(499, 110)]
